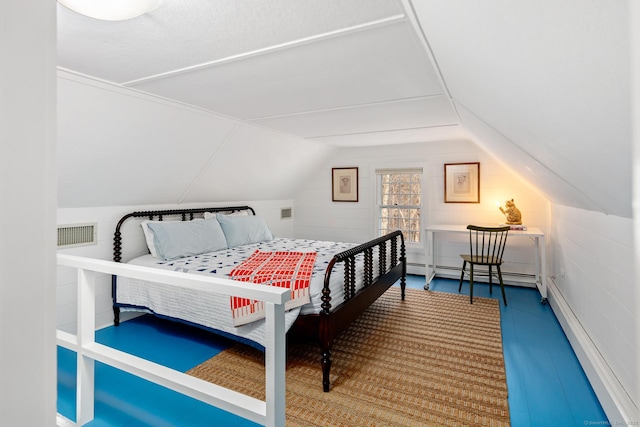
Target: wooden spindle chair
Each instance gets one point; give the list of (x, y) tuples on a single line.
[(486, 247)]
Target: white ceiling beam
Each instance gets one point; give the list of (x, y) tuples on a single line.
[(346, 107), (271, 49), (424, 42)]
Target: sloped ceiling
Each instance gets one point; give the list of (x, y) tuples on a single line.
[(542, 85)]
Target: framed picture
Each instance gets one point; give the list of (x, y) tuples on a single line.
[(462, 182), (344, 184)]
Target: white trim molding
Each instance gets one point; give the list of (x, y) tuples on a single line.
[(616, 402)]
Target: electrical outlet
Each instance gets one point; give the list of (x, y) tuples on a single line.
[(562, 273)]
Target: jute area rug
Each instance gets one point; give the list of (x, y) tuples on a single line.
[(431, 360)]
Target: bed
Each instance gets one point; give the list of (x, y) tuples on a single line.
[(344, 278)]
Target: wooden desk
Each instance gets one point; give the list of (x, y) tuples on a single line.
[(532, 233)]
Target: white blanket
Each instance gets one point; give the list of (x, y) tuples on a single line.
[(212, 310)]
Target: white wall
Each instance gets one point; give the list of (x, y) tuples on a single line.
[(28, 201), (634, 25), (594, 296), (133, 245), (119, 146), (317, 217)]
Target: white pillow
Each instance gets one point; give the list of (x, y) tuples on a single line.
[(178, 239), (244, 229), (148, 236)]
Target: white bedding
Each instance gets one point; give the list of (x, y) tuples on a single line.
[(213, 310)]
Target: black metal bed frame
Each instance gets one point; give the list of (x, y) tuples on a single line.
[(332, 320)]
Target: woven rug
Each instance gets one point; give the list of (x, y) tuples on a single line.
[(433, 359)]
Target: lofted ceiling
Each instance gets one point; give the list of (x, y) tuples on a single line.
[(344, 73), (541, 85)]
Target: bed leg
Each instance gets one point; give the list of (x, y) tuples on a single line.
[(326, 368), (403, 279), (116, 316)]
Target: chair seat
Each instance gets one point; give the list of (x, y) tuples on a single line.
[(482, 260)]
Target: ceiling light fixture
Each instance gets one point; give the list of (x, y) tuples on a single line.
[(111, 10)]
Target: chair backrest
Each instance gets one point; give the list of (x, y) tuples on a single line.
[(486, 244)]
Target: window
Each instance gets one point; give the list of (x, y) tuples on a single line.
[(399, 200)]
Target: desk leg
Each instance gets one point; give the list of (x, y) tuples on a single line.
[(429, 275), (543, 267)]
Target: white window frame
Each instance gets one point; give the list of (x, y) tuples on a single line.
[(376, 197)]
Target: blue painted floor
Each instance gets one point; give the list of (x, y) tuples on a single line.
[(547, 386)]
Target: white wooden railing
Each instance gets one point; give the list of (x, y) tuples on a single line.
[(270, 412)]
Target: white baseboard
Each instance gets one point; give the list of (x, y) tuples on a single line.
[(615, 401), (513, 279)]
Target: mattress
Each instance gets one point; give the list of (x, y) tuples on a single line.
[(212, 311)]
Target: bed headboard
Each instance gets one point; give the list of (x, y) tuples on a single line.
[(183, 214)]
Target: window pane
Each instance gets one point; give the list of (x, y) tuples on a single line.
[(400, 196)]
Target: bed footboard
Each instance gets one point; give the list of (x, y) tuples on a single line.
[(392, 266), (349, 259)]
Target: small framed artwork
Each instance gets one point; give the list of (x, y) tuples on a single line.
[(462, 182), (344, 184)]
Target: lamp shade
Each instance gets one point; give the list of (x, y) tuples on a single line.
[(111, 10)]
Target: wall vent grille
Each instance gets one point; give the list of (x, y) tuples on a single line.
[(286, 213), (73, 235)]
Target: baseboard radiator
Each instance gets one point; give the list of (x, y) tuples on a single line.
[(508, 276)]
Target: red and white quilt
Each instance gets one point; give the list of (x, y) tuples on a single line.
[(283, 269)]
